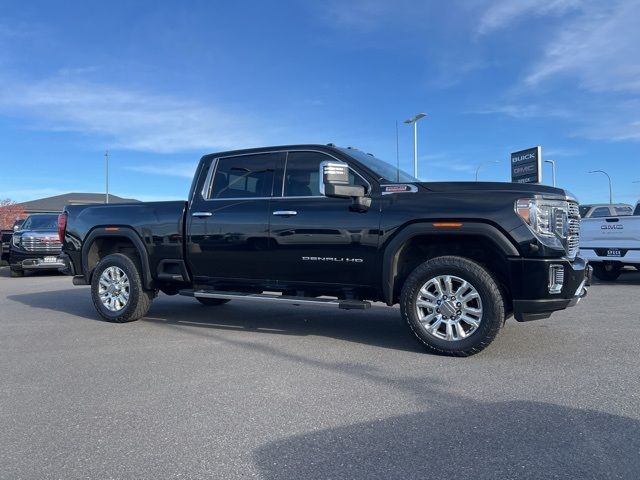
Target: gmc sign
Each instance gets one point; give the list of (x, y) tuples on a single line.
[(526, 165)]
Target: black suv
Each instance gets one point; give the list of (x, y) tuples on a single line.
[(35, 245), (335, 226)]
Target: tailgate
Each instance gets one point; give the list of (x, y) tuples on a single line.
[(610, 232)]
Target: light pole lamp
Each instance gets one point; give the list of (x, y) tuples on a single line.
[(106, 175), (610, 189), (409, 121), (492, 162), (553, 170)]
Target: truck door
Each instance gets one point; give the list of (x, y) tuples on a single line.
[(317, 238), (228, 220)]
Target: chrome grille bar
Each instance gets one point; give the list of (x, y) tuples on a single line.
[(573, 237), (41, 244)]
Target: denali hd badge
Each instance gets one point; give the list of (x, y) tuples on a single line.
[(333, 259), (398, 188)]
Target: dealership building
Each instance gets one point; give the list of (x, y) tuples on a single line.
[(56, 203)]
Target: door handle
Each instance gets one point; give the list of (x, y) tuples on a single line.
[(285, 213), (201, 214)]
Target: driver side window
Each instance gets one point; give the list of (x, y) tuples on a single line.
[(302, 174)]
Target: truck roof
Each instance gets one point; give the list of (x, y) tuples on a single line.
[(330, 147)]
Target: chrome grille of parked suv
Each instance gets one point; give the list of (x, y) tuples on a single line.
[(573, 237), (41, 244)]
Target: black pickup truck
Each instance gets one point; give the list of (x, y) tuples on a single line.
[(322, 225)]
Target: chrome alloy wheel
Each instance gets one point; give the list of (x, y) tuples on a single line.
[(113, 289), (449, 308)]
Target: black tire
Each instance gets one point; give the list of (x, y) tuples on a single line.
[(212, 302), (493, 308), (16, 272), (606, 272), (139, 300)]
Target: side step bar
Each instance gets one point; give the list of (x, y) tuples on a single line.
[(268, 297)]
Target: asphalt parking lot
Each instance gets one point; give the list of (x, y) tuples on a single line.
[(246, 390)]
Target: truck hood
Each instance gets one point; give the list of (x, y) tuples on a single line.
[(485, 187)]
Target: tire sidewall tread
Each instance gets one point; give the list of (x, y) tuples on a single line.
[(139, 298), (492, 303)]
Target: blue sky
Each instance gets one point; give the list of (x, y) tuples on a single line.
[(161, 83)]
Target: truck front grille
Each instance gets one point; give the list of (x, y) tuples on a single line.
[(573, 237), (41, 244)]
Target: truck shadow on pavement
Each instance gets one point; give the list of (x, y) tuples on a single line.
[(465, 440), (378, 326)]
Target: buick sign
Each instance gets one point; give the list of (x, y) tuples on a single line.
[(526, 165)]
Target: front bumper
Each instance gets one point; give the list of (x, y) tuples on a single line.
[(34, 261), (531, 295)]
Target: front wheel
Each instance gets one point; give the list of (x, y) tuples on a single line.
[(606, 272), (117, 291), (453, 305), (16, 272)]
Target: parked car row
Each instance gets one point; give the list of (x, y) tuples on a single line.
[(610, 241)]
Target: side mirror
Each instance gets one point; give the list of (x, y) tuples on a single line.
[(335, 183)]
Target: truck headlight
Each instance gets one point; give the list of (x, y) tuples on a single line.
[(547, 219), (15, 240)]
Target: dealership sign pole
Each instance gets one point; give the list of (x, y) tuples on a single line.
[(526, 165)]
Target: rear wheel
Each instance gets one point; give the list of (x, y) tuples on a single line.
[(606, 272), (212, 302), (453, 305), (117, 291)]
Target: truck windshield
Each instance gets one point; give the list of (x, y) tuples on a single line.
[(384, 170), (41, 222)]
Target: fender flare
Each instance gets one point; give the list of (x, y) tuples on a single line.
[(394, 247), (130, 234)]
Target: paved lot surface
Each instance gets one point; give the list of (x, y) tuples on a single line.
[(246, 390)]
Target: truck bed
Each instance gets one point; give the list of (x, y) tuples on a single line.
[(159, 225)]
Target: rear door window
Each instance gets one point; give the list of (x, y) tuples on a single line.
[(601, 212), (244, 176)]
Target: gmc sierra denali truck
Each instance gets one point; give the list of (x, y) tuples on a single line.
[(322, 225), (610, 244), (35, 245)]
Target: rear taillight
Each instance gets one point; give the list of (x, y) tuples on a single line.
[(62, 226)]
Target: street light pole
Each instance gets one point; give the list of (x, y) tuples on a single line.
[(106, 166), (492, 162), (409, 121), (553, 170), (610, 189)]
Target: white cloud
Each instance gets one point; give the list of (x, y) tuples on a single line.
[(180, 169), (530, 110), (588, 72), (360, 14), (599, 49), (504, 13), (127, 118)]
